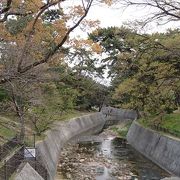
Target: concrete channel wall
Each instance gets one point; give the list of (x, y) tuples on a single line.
[(116, 115), (161, 149), (28, 173), (49, 149)]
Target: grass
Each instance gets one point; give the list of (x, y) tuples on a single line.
[(146, 121), (6, 130), (122, 130), (171, 122), (64, 117)]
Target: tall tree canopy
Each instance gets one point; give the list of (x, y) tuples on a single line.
[(36, 31), (146, 67), (32, 38)]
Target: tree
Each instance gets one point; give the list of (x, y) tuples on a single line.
[(82, 54), (89, 93), (119, 46), (56, 99), (165, 92), (35, 32), (144, 68), (154, 86), (32, 39), (163, 10)]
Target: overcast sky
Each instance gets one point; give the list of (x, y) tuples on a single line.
[(117, 15)]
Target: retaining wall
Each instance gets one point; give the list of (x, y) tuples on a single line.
[(48, 150), (161, 149), (116, 114), (28, 173)]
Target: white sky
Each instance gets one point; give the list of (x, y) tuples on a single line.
[(115, 16)]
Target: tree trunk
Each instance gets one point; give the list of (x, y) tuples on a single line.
[(20, 113), (102, 103), (22, 129), (138, 113)]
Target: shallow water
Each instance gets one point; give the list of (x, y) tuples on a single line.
[(124, 154), (115, 159)]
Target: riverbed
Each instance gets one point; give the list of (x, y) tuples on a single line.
[(105, 157)]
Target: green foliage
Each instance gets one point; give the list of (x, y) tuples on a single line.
[(87, 93), (15, 26), (171, 122), (144, 68), (118, 44), (52, 15), (123, 130), (56, 101), (69, 96), (69, 90), (91, 94), (153, 87), (3, 94)]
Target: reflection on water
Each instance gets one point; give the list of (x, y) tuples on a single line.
[(123, 157), (105, 146), (104, 175)]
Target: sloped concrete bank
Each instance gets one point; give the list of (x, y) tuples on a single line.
[(28, 173), (116, 114), (161, 149), (49, 149)]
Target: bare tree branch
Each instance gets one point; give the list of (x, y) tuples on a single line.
[(8, 6), (52, 52), (42, 9), (14, 13), (169, 10), (47, 57)]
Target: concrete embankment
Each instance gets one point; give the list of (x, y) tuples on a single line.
[(116, 114), (162, 150), (28, 173), (49, 149)]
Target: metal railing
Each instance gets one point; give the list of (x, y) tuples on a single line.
[(10, 166), (7, 147)]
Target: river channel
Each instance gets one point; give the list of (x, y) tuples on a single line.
[(105, 157)]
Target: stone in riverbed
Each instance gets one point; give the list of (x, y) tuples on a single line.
[(100, 170), (81, 160), (68, 175)]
